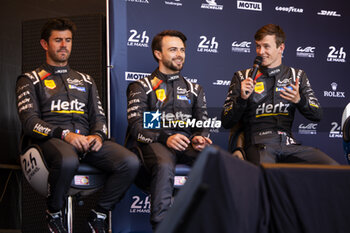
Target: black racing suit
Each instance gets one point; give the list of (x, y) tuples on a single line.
[(51, 99), (268, 118), (177, 101)]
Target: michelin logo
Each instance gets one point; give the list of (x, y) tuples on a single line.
[(212, 5)]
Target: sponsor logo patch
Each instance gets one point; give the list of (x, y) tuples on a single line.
[(50, 84), (259, 87), (160, 93), (82, 89)]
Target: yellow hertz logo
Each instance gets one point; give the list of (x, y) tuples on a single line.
[(66, 107), (40, 129), (69, 111), (272, 114), (272, 110), (36, 131)]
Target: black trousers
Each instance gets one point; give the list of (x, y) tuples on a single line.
[(120, 164), (279, 148), (160, 161)]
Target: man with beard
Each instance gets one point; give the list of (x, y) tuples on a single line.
[(61, 112), (158, 109)]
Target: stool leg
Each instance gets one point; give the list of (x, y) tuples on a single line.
[(70, 214), (110, 222)]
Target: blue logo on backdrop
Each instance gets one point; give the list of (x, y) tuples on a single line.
[(151, 120)]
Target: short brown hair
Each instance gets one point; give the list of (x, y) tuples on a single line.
[(271, 29), (59, 24), (157, 40)]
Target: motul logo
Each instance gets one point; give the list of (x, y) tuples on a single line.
[(253, 6)]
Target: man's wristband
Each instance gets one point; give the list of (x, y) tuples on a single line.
[(65, 133)]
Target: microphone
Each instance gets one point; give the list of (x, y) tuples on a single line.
[(256, 65)]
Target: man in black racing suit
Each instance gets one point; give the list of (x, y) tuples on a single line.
[(60, 111), (159, 107), (266, 105)]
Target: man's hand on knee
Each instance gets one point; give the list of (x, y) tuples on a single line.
[(178, 142), (95, 142), (80, 142), (200, 142)]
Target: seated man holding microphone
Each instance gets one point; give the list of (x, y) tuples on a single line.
[(265, 99)]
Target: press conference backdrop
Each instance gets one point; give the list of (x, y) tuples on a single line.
[(221, 41)]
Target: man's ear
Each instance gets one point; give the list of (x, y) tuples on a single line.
[(44, 44), (282, 47), (158, 54)]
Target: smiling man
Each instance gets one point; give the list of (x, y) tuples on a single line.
[(61, 112), (266, 105), (167, 96)]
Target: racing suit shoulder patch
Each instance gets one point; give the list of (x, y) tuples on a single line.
[(85, 77), (146, 84), (156, 82), (43, 74), (33, 76), (192, 88)]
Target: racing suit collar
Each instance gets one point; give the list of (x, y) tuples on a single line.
[(269, 72), (167, 77), (57, 69)]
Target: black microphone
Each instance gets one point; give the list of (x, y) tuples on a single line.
[(256, 65)]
